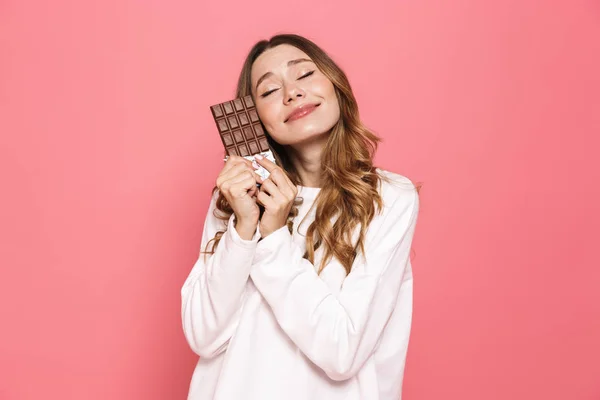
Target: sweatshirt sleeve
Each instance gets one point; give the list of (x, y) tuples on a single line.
[(338, 332), (212, 294)]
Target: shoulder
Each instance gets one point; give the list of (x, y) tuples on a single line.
[(397, 219), (397, 190)]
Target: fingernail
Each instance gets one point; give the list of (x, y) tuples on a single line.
[(258, 157), (255, 165)]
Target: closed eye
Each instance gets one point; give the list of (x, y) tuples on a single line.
[(265, 94), (307, 74)]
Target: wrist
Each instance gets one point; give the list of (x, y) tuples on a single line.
[(268, 230), (245, 228)]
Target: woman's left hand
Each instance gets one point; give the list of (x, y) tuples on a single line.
[(277, 194)]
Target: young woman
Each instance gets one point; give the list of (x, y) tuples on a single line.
[(303, 289)]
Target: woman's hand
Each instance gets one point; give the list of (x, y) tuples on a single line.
[(277, 195), (237, 181)]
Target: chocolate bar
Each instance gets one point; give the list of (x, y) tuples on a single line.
[(241, 131), (239, 127)]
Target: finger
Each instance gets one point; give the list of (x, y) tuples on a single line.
[(259, 178), (278, 175), (283, 183), (255, 188), (278, 199), (240, 189), (237, 169), (244, 187), (244, 175), (253, 191), (238, 184), (271, 188), (230, 165), (237, 159), (266, 163), (263, 199), (232, 161), (226, 176)]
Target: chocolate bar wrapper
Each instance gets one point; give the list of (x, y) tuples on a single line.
[(264, 174)]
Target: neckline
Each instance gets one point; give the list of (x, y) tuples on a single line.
[(306, 191)]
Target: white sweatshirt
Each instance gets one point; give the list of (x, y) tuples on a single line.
[(266, 326)]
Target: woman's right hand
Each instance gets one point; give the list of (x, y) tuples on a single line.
[(237, 181)]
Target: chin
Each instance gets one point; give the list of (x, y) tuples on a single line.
[(307, 137)]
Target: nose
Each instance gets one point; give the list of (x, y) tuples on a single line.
[(293, 92)]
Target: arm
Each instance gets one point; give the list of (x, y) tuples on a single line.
[(213, 292), (338, 332)]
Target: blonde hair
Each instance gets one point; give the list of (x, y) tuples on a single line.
[(349, 180)]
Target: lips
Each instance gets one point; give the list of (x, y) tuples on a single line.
[(301, 111)]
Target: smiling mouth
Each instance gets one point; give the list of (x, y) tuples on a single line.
[(302, 113)]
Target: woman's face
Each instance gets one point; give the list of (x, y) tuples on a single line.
[(294, 100)]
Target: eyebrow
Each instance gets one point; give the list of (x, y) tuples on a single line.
[(289, 64)]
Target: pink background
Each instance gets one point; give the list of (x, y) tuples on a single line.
[(109, 153)]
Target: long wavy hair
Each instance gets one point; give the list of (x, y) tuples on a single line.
[(349, 179)]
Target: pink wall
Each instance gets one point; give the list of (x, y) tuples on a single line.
[(109, 153)]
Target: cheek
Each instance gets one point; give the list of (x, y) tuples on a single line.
[(267, 114), (324, 87), (328, 93)]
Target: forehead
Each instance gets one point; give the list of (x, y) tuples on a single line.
[(274, 58)]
